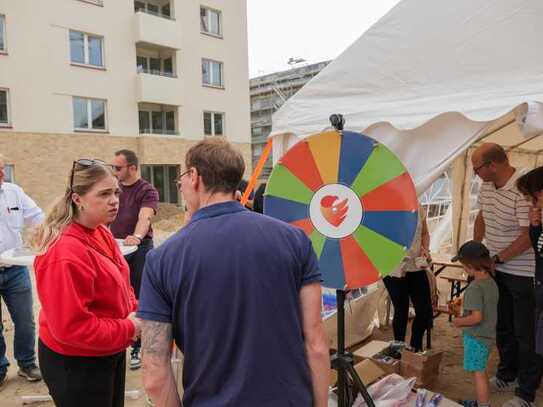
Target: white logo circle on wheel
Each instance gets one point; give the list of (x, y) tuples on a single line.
[(335, 211)]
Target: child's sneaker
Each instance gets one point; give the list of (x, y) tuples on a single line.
[(498, 385), (518, 402)]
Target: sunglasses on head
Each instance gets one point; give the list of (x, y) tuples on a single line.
[(83, 163)]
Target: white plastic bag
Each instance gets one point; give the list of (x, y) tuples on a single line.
[(391, 391)]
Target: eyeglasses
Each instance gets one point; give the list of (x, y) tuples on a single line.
[(119, 167), (476, 169), (183, 174), (84, 163)]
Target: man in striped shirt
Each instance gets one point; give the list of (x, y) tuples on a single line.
[(503, 223)]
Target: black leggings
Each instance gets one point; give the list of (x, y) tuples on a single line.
[(83, 381), (415, 287)]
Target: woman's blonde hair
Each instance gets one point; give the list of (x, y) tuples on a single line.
[(82, 178)]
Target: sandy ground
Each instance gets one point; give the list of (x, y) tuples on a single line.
[(453, 382)]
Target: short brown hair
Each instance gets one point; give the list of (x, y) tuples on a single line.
[(220, 165), (485, 264), (495, 154), (531, 182), (130, 156)]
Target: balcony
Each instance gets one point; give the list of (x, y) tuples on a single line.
[(157, 119), (158, 89), (156, 61), (154, 30), (158, 8)]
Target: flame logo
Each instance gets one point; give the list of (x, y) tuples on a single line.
[(334, 212)]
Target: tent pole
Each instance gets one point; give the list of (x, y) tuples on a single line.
[(462, 198)]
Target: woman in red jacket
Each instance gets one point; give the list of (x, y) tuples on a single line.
[(86, 321)]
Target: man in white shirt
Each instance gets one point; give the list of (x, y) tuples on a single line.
[(17, 210), (503, 223)]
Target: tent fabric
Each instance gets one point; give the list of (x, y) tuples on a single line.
[(428, 80)]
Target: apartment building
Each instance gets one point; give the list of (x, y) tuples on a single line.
[(85, 78), (268, 93)]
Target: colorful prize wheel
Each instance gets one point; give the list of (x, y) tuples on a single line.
[(353, 198)]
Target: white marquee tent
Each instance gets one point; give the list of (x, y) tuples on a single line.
[(430, 80)]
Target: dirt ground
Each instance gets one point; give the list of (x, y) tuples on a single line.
[(453, 382)]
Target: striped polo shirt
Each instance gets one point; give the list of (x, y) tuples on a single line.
[(505, 211)]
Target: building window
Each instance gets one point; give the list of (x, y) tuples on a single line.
[(157, 122), (164, 179), (210, 21), (4, 107), (257, 132), (155, 66), (213, 124), (257, 151), (86, 49), (89, 114), (212, 73), (153, 8), (3, 44)]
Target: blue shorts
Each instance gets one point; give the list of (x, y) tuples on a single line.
[(476, 354)]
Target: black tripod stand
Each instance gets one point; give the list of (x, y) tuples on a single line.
[(343, 361)]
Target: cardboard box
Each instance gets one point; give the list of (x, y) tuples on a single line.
[(424, 366), (368, 371), (356, 359), (372, 351), (388, 367)]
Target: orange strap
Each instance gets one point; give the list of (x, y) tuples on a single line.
[(256, 173)]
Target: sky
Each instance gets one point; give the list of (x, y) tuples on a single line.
[(315, 30)]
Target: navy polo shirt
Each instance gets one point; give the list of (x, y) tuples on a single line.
[(229, 283)]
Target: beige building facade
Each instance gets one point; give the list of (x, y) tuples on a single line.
[(85, 78)]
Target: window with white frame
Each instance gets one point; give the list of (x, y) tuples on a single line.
[(210, 21), (212, 73), (164, 179), (4, 107), (86, 49), (161, 10), (3, 44), (213, 124), (89, 114), (157, 122), (155, 66)]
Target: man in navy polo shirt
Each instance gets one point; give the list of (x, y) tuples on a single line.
[(239, 293)]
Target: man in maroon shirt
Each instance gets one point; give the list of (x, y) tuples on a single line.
[(138, 204)]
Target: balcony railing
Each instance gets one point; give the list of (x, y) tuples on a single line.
[(154, 13), (162, 132), (157, 72)]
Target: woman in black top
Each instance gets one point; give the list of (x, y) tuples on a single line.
[(531, 186)]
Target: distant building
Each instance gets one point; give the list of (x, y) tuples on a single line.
[(268, 93), (85, 78)]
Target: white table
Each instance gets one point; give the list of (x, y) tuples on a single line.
[(25, 257)]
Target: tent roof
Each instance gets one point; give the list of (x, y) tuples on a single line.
[(424, 58)]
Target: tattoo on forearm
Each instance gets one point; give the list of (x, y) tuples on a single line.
[(156, 339)]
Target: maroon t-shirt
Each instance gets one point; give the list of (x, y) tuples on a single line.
[(133, 197)]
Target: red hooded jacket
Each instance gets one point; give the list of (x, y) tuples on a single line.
[(84, 288)]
